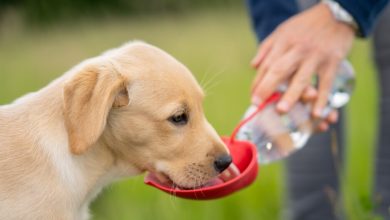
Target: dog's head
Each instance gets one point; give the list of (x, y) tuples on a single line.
[(147, 108)]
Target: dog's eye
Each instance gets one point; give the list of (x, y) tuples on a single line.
[(179, 119)]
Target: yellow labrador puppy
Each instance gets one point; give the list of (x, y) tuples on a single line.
[(129, 110)]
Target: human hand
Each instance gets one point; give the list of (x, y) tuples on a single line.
[(310, 43)]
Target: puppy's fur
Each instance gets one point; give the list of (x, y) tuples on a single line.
[(109, 117)]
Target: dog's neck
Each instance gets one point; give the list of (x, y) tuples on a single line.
[(79, 177)]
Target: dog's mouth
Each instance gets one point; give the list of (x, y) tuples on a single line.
[(164, 179)]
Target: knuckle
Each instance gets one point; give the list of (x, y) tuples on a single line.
[(323, 51), (325, 83), (292, 97), (301, 48), (337, 55), (293, 40), (264, 67), (278, 69), (307, 47), (262, 94), (302, 82), (270, 80), (294, 92)]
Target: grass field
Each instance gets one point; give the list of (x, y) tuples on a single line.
[(217, 46)]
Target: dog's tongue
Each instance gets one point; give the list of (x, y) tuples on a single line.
[(154, 178), (214, 181), (230, 173), (162, 178)]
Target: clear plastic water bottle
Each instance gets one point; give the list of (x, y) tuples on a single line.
[(277, 136)]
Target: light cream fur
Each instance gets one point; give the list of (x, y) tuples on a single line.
[(105, 119)]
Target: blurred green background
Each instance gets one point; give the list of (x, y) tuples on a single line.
[(40, 40)]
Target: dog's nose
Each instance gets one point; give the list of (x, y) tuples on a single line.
[(222, 162)]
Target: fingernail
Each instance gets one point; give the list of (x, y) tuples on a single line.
[(254, 62), (335, 118), (283, 106), (325, 127), (256, 100)]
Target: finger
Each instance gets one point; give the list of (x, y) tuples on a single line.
[(264, 48), (266, 82), (333, 116), (257, 80), (300, 81), (309, 94), (284, 65), (275, 53), (266, 87), (272, 52), (256, 61), (323, 126), (325, 83)]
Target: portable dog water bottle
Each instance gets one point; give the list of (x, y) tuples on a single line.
[(277, 136)]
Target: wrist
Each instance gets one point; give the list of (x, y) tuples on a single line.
[(340, 14)]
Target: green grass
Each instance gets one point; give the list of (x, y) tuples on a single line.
[(217, 46)]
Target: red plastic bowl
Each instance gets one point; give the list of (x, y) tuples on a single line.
[(244, 157)]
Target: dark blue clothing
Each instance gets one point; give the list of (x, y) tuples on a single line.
[(365, 12), (266, 15)]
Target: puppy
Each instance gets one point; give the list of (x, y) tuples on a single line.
[(129, 110)]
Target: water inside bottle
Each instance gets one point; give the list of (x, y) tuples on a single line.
[(277, 136), (342, 86)]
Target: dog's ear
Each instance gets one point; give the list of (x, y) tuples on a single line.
[(88, 98)]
